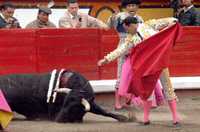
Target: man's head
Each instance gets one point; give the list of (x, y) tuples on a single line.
[(43, 14), (73, 7), (7, 9), (186, 3), (131, 6), (131, 24)]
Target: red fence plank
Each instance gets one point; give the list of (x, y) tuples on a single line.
[(72, 49), (109, 41), (185, 58), (17, 51)]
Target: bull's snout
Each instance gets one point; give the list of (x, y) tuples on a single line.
[(84, 102)]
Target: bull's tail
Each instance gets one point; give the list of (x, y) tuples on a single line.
[(96, 109)]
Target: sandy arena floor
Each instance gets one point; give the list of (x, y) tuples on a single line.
[(188, 107)]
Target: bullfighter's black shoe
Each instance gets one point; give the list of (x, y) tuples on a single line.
[(147, 123), (177, 124)]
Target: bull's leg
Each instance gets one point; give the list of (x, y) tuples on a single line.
[(98, 110)]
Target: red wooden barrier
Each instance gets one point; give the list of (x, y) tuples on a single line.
[(185, 59), (41, 50), (17, 51)]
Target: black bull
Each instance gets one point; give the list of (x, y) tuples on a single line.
[(27, 94)]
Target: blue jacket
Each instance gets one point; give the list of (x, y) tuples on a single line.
[(190, 17), (14, 24)]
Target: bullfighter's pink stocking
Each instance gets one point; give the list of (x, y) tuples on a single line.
[(146, 108), (172, 106), (117, 100)]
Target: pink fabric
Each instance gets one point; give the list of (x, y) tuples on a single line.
[(136, 101), (146, 109), (154, 101), (126, 77), (172, 105), (159, 97), (117, 100), (3, 103), (125, 81)]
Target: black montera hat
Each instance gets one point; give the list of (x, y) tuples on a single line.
[(45, 10), (124, 3), (72, 1)]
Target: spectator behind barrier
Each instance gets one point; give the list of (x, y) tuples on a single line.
[(74, 19), (188, 14), (6, 16), (42, 20), (176, 5)]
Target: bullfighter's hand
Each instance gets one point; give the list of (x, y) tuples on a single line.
[(102, 62)]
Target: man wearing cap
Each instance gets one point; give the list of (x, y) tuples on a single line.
[(42, 20), (74, 19), (6, 16)]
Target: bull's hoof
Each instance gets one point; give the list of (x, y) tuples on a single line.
[(122, 118), (127, 117)]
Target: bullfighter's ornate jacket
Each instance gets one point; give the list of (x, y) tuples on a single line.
[(145, 30)]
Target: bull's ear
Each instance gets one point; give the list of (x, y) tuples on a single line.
[(86, 104)]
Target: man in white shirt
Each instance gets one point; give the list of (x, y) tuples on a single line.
[(74, 19)]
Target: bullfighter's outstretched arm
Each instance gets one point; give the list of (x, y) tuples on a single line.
[(146, 30)]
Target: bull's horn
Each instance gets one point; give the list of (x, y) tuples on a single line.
[(86, 104), (63, 90)]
